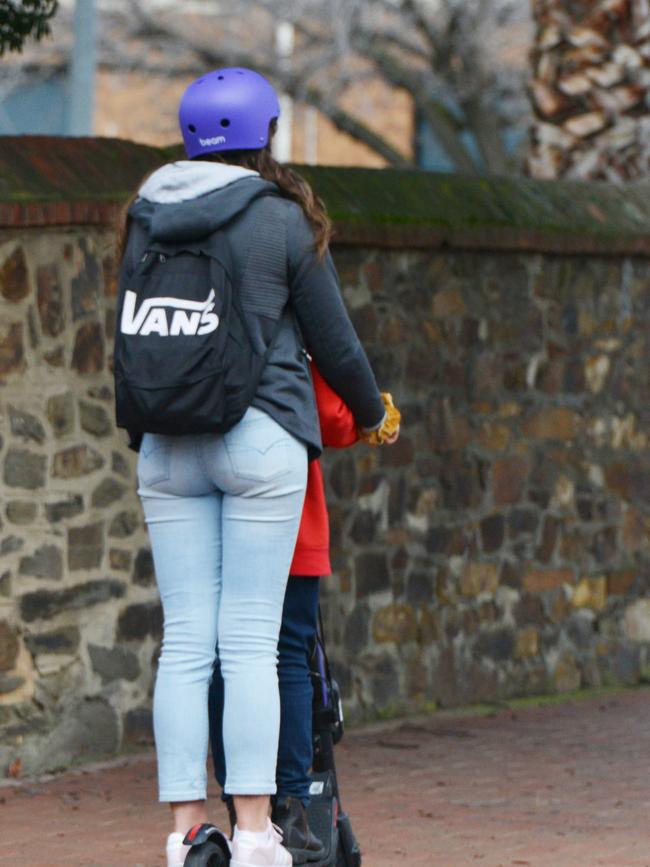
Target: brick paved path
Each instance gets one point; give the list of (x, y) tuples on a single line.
[(556, 786)]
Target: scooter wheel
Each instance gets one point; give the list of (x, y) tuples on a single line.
[(209, 854)]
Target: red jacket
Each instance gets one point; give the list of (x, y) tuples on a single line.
[(338, 430)]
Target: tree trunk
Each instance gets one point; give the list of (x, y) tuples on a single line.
[(590, 90)]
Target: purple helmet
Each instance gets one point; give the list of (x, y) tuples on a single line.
[(228, 109)]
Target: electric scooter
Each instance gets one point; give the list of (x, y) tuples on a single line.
[(327, 819)]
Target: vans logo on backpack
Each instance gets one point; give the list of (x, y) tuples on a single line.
[(168, 317)]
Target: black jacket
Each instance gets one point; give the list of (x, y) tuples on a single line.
[(278, 275)]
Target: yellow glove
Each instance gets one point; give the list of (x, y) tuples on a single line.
[(388, 427)]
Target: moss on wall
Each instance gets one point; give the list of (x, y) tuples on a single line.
[(397, 207)]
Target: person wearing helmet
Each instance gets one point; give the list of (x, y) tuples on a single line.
[(223, 509)]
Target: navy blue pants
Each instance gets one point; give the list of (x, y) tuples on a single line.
[(297, 634)]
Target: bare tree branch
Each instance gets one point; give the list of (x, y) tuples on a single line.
[(484, 122), (294, 85), (347, 123), (411, 12), (436, 113), (436, 51)]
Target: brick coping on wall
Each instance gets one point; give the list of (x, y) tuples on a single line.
[(56, 181)]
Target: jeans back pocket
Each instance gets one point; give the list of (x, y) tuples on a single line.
[(154, 461), (260, 464), (258, 449)]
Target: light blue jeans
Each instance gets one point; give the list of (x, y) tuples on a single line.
[(223, 513)]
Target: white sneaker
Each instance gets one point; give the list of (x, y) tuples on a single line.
[(176, 852), (259, 849)]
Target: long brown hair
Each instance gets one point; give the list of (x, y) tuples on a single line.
[(290, 184)]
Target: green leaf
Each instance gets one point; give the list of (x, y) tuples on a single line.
[(22, 20)]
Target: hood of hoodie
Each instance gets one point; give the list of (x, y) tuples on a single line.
[(188, 200)]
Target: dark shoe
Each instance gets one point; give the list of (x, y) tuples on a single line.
[(291, 817)]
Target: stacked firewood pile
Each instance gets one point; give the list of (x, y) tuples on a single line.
[(590, 89)]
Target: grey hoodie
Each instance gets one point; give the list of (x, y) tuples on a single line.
[(278, 276)]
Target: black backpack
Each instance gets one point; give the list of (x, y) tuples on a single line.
[(184, 360)]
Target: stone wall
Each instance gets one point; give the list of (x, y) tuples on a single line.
[(501, 548), (79, 622)]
